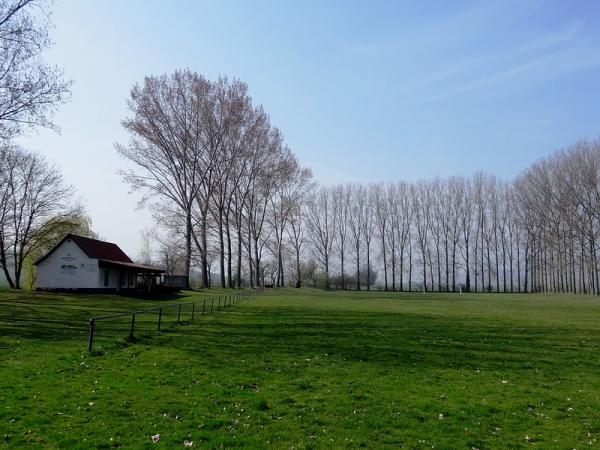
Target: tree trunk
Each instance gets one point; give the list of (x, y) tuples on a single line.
[(342, 261), (257, 263), (229, 255), (385, 274), (393, 271), (298, 272), (188, 246), (280, 258), (4, 263), (357, 265), (402, 268), (251, 275), (467, 269), (409, 266), (368, 267), (326, 272), (454, 267), (221, 250), (447, 266), (424, 270), (238, 280)]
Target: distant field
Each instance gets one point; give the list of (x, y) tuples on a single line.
[(305, 369)]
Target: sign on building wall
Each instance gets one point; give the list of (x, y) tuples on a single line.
[(71, 266)]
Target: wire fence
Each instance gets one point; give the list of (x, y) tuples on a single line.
[(151, 320)]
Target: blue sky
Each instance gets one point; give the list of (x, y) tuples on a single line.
[(371, 91)]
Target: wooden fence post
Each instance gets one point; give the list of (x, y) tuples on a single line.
[(223, 301), (91, 335), (132, 325)]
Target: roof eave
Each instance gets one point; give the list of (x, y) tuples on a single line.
[(132, 266)]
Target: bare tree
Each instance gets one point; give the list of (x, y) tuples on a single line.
[(405, 211), (263, 186), (341, 210), (393, 231), (36, 207), (422, 207), (245, 169), (146, 251), (378, 199), (171, 146), (357, 223), (439, 224), (293, 181), (297, 237), (229, 122), (30, 89), (319, 217), (368, 231)]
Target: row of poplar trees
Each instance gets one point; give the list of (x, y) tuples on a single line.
[(215, 172), (537, 233), (233, 202)]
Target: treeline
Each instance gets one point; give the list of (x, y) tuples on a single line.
[(233, 201), (558, 201), (538, 233), (215, 172)]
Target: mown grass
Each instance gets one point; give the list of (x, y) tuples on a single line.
[(307, 369)]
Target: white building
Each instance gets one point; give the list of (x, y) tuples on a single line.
[(82, 263)]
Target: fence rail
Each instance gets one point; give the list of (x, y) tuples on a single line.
[(208, 306)]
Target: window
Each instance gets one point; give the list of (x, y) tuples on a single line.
[(131, 279), (106, 276)]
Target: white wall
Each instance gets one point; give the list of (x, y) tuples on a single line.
[(68, 267)]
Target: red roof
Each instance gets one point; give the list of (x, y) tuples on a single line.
[(94, 249), (99, 249)]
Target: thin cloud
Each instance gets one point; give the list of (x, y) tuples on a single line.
[(361, 49), (543, 43), (551, 66)]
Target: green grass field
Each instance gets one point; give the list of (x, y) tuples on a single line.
[(305, 369)]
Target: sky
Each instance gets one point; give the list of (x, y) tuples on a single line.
[(362, 90)]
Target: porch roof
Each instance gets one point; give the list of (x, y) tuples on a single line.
[(138, 268)]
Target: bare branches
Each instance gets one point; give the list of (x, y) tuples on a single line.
[(226, 181), (320, 220), (30, 90), (212, 161), (35, 207)]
